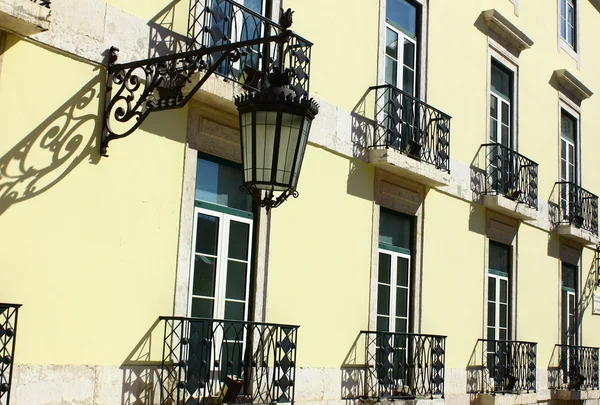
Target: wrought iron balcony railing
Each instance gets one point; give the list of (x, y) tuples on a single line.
[(577, 368), (510, 174), (410, 126), (221, 22), (8, 337), (576, 206), (404, 365), (210, 361), (509, 366)]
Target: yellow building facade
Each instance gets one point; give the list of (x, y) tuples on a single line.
[(443, 247)]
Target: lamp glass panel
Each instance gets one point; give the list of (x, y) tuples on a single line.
[(290, 132), (265, 138), (246, 131), (301, 149)]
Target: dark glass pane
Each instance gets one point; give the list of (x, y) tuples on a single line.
[(491, 289), (569, 275), (204, 276), (391, 44), (385, 268), (503, 315), (401, 326), (391, 68), (491, 314), (491, 334), (236, 280), (202, 308), (402, 302), (503, 334), (403, 271), (383, 300), (499, 259), (409, 54), (238, 240), (207, 234), (501, 81), (408, 78), (383, 323), (234, 310), (219, 184), (395, 229), (402, 14), (504, 291)]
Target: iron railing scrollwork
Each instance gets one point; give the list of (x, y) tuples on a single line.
[(8, 337), (411, 126), (577, 207), (509, 366), (510, 174), (218, 361), (404, 365), (578, 368), (224, 38)]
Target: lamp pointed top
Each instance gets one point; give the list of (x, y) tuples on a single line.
[(286, 18)]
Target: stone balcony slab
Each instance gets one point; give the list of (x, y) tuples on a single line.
[(398, 163), (508, 207), (576, 234), (24, 17)]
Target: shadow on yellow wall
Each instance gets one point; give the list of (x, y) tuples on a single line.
[(54, 148)]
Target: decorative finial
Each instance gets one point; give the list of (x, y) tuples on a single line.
[(286, 19)]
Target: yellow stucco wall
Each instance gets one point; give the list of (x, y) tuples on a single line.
[(453, 263), (89, 245), (320, 257)]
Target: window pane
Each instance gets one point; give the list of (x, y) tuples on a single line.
[(408, 78), (236, 280), (491, 314), (234, 310), (204, 276), (503, 315), (503, 334), (491, 289), (501, 81), (491, 334), (395, 229), (383, 323), (569, 274), (385, 268), (391, 68), (391, 44), (402, 302), (504, 291), (403, 15), (409, 54), (238, 240), (403, 272), (505, 114), (401, 325), (202, 308), (219, 184), (383, 300), (207, 234), (499, 257)]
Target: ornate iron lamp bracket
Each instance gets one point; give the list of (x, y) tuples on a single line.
[(136, 89)]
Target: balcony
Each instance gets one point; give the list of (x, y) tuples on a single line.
[(403, 365), (574, 213), (509, 366), (410, 138), (510, 185), (209, 361), (25, 17), (8, 338), (574, 373)]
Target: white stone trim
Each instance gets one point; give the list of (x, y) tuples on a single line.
[(573, 85), (502, 27), (516, 6)]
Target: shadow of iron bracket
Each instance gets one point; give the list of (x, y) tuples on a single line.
[(162, 83)]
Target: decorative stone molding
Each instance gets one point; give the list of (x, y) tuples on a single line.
[(24, 17), (573, 85), (500, 25)]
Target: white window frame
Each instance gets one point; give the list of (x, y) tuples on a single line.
[(420, 51), (400, 59), (393, 286), (221, 265), (498, 279), (566, 105), (501, 57), (573, 52)]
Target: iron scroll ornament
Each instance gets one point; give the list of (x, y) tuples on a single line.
[(234, 42)]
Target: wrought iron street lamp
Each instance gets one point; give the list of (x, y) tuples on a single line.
[(269, 60), (274, 128)]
